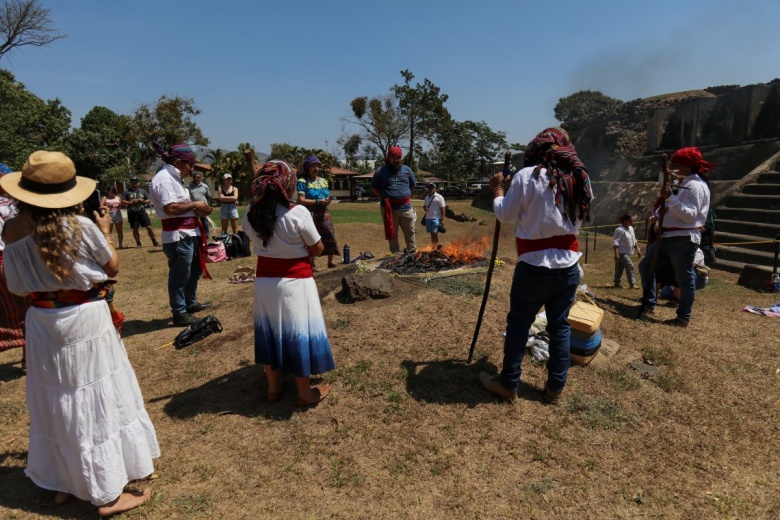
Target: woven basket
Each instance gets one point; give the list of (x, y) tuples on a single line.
[(585, 316)]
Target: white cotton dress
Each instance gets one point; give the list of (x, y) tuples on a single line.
[(289, 326), (89, 431)]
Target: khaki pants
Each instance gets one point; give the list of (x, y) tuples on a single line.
[(406, 220)]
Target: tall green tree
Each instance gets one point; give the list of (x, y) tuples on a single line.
[(295, 155), (28, 122), (351, 146), (25, 22), (583, 107), (99, 148), (422, 106), (463, 149), (167, 121), (380, 119)]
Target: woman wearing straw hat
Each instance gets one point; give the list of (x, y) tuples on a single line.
[(89, 432)]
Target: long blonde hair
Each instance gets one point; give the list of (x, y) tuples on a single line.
[(57, 233)]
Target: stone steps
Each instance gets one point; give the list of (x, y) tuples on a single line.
[(744, 255), (727, 265), (769, 178), (756, 216), (743, 200), (741, 227), (761, 189), (733, 238)]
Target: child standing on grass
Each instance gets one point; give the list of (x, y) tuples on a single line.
[(624, 243), (290, 330)]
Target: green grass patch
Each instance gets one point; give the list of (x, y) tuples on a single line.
[(597, 413), (456, 286), (355, 216)]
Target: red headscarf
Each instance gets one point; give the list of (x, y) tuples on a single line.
[(395, 151), (552, 149), (691, 156)]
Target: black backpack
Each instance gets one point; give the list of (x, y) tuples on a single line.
[(246, 244), (237, 245)]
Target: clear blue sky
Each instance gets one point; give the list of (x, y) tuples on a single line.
[(285, 71)]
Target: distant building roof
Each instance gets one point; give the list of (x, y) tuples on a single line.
[(335, 170)]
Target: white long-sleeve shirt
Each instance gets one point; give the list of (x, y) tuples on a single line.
[(624, 239), (167, 188), (688, 209), (530, 203)]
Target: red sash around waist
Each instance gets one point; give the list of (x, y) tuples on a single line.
[(387, 220), (268, 267), (69, 297), (174, 223), (406, 200), (565, 242)]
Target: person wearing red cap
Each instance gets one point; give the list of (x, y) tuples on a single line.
[(393, 184), (686, 214)]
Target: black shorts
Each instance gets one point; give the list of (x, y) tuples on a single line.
[(138, 219)]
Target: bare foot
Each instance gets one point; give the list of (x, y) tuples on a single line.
[(62, 498), (125, 502), (314, 395)]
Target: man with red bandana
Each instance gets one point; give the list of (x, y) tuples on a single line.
[(393, 184), (686, 213), (547, 202)]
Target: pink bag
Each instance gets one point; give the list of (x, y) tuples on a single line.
[(215, 252)]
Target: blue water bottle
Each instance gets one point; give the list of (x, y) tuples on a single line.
[(346, 254)]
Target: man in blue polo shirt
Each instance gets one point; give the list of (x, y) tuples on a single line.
[(393, 184)]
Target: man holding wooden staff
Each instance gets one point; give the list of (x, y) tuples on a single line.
[(685, 214), (547, 200)]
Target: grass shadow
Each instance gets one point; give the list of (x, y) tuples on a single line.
[(133, 327), (621, 307), (451, 381), (11, 371), (31, 499), (237, 392)]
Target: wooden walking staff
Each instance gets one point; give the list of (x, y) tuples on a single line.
[(493, 253), (657, 236)]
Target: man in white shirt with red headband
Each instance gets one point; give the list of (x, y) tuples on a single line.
[(547, 201)]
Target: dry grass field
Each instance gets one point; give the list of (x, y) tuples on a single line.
[(407, 433)]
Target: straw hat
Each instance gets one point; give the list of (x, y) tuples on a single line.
[(48, 180)]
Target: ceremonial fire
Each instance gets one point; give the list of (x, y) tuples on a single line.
[(468, 252)]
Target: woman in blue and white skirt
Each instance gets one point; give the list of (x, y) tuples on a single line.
[(290, 332)]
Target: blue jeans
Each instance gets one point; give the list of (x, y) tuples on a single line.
[(532, 288), (624, 262), (183, 273), (679, 252)]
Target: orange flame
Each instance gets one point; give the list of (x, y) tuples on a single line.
[(465, 250)]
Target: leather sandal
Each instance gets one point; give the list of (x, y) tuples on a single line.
[(322, 392)]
